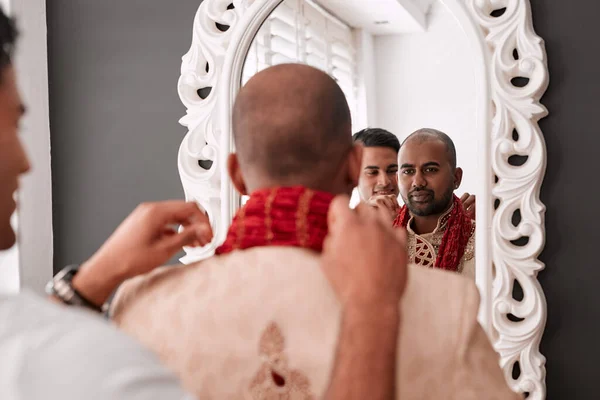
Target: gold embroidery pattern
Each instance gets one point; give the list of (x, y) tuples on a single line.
[(421, 252), (302, 215), (274, 380), (240, 229), (268, 217), (470, 248), (419, 248)]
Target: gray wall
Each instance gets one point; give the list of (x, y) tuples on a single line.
[(572, 276), (113, 70)]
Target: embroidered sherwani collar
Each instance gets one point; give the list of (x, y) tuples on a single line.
[(441, 224)]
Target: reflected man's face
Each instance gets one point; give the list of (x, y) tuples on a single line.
[(13, 161), (427, 179), (379, 172)]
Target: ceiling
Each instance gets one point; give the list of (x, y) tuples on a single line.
[(381, 17)]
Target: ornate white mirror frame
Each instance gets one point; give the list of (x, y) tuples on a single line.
[(510, 67)]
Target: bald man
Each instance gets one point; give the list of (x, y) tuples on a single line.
[(260, 320), (441, 233)]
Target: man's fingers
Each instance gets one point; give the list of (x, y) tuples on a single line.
[(175, 211), (187, 237), (204, 233), (464, 197), (401, 235), (396, 204), (168, 231), (366, 212), (469, 203), (390, 203)]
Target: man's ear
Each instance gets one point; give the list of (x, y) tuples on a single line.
[(458, 174), (235, 173), (354, 164)]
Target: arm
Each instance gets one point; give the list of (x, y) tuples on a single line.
[(365, 261), (144, 241), (365, 365), (386, 205)]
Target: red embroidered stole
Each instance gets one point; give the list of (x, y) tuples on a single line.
[(283, 216), (456, 235)]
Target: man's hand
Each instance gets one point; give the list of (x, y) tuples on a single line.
[(386, 204), (364, 258), (144, 241), (468, 202)]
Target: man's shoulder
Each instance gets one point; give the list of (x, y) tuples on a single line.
[(40, 340), (214, 273), (27, 309), (31, 315)]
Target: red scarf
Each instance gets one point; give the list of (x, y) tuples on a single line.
[(459, 229), (284, 216)]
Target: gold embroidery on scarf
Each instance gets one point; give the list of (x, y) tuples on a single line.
[(268, 217), (470, 248), (302, 217)]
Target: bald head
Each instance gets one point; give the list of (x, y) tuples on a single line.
[(430, 134), (291, 125)]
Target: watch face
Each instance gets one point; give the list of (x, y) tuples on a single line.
[(60, 285), (50, 288), (66, 273)]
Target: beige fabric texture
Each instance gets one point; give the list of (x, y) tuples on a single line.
[(239, 325), (423, 249)]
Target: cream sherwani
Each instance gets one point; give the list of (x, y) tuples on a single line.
[(423, 248), (264, 321)]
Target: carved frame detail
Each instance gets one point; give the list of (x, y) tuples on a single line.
[(509, 57)]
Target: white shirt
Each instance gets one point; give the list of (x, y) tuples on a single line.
[(48, 351)]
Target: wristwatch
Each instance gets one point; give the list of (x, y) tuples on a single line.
[(62, 288)]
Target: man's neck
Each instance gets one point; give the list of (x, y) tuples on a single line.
[(427, 224)]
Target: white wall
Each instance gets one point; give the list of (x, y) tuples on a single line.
[(366, 96), (424, 80)]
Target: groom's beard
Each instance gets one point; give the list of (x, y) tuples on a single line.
[(431, 206)]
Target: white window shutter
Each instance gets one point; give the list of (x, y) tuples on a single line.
[(301, 31)]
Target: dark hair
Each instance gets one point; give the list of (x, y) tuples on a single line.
[(429, 134), (377, 137), (8, 37)]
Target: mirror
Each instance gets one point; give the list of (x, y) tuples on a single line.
[(399, 76), (473, 69)]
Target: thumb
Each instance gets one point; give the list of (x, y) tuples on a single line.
[(401, 235), (173, 243), (339, 210)]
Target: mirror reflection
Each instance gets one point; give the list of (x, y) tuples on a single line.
[(411, 93)]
